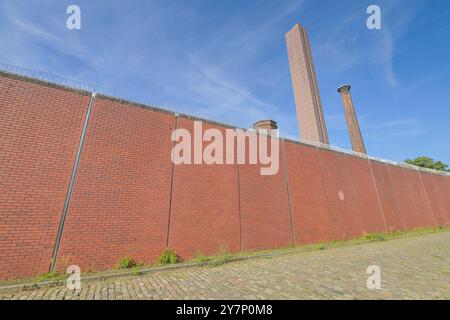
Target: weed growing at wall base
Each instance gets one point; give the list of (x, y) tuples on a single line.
[(127, 263), (125, 173), (168, 257)]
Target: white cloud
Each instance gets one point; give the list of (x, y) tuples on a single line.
[(397, 127)]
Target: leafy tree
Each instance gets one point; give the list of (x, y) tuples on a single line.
[(429, 163)]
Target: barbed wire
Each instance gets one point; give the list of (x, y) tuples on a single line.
[(116, 94), (45, 76), (113, 93)]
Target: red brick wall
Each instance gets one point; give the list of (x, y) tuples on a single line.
[(388, 196), (308, 199), (264, 208), (120, 201), (344, 215), (407, 207), (121, 198), (366, 198), (40, 128), (205, 207), (418, 198), (447, 179), (439, 197)]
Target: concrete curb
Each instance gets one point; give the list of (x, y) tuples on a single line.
[(151, 270), (131, 274)]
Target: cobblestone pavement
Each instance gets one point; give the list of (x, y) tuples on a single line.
[(411, 268)]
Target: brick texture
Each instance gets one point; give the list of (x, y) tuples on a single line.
[(388, 196), (264, 208), (121, 203), (306, 90), (309, 202), (205, 208), (354, 130), (448, 193), (448, 198), (341, 197), (438, 196), (407, 208), (418, 198), (362, 185), (40, 127)]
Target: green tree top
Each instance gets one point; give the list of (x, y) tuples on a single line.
[(429, 163)]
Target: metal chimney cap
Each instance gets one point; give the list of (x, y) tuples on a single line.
[(344, 88)]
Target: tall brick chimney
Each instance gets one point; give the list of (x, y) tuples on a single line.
[(352, 121), (306, 91)]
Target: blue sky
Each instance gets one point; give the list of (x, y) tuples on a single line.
[(227, 60)]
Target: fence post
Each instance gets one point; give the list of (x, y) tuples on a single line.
[(171, 188), (71, 185), (286, 177), (426, 196), (374, 182), (239, 206)]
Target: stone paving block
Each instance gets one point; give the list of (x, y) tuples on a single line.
[(415, 267)]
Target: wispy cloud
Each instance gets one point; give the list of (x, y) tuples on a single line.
[(396, 127), (228, 60), (340, 53), (214, 77), (33, 29), (223, 86), (395, 26), (376, 48), (387, 57), (24, 33)]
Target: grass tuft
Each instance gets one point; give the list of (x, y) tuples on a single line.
[(127, 263), (373, 237), (168, 257)]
